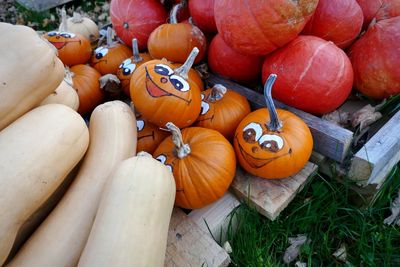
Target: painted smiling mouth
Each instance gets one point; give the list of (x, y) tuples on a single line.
[(257, 163), (205, 119), (60, 45), (148, 135), (155, 91)]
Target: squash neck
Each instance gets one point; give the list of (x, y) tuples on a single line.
[(182, 150), (185, 68), (274, 124)]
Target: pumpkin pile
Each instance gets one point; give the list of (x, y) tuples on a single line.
[(136, 87)]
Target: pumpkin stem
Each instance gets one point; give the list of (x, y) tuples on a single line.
[(184, 69), (182, 150), (174, 12), (135, 49), (109, 36), (217, 92), (77, 18), (275, 124), (68, 75), (63, 26)]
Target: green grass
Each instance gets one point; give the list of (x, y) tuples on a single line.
[(324, 211)]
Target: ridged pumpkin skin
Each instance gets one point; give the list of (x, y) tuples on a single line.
[(223, 114), (85, 80), (61, 238), (314, 75), (376, 59), (135, 233), (64, 94), (202, 12), (338, 21), (259, 27), (37, 152), (148, 15), (19, 95), (107, 59), (226, 62), (149, 136), (379, 9), (83, 26), (204, 175)]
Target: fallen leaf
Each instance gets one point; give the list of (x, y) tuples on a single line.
[(394, 218), (293, 251)]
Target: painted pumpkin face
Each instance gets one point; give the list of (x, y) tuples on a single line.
[(207, 109), (107, 59), (73, 49), (149, 136)]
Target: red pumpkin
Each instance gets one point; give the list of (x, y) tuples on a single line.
[(149, 135), (338, 21), (203, 163), (314, 75), (379, 9), (222, 110), (175, 41), (136, 19), (270, 143), (376, 59), (226, 62), (128, 66), (107, 59), (202, 12), (162, 94), (259, 27), (85, 80)]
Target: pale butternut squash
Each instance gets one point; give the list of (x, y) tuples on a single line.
[(60, 239), (29, 71), (64, 94), (131, 225), (37, 152)]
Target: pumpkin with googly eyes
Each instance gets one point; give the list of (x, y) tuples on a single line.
[(272, 143), (128, 66), (106, 59), (162, 94), (203, 164), (222, 110), (149, 136)]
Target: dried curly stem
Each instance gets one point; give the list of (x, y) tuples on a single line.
[(77, 18), (217, 92), (185, 68), (109, 36), (275, 124), (182, 150), (135, 50), (174, 11), (63, 26)]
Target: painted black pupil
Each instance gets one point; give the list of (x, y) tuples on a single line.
[(161, 70), (249, 136), (177, 84), (126, 71), (66, 35), (99, 55)]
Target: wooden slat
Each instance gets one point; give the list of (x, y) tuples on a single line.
[(330, 139), (41, 5), (270, 197), (373, 162), (215, 218), (190, 246)]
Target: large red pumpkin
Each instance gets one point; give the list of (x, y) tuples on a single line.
[(338, 21), (376, 59), (314, 75), (202, 12), (259, 27), (226, 62), (379, 9), (136, 19)]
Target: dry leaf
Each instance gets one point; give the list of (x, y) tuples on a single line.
[(338, 117), (293, 251), (394, 218), (300, 264), (227, 247), (341, 253), (365, 117)]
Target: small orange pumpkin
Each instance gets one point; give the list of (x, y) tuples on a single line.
[(72, 48), (85, 80), (203, 164), (175, 41), (162, 94), (271, 148), (222, 110), (128, 66), (106, 59), (149, 135), (193, 75)]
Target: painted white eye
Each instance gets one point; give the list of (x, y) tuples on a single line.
[(202, 96), (67, 34), (271, 142), (100, 52), (179, 83), (162, 158), (128, 69), (51, 34), (163, 69), (205, 107), (169, 168), (140, 125), (125, 62), (252, 132)]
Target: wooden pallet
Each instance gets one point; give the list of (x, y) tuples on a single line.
[(41, 5)]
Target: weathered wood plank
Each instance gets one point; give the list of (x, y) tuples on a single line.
[(41, 5), (190, 246), (373, 162), (270, 197), (215, 218), (330, 139)]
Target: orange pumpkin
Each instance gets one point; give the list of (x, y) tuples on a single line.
[(106, 59), (272, 143), (128, 66), (72, 48), (175, 41), (162, 94), (193, 75), (85, 80), (222, 110), (149, 135), (203, 164)]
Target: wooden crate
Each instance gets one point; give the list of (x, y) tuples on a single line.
[(41, 5)]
